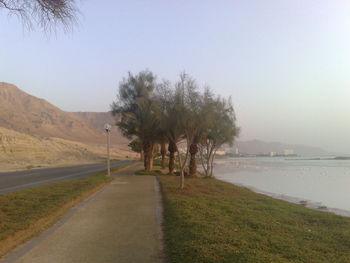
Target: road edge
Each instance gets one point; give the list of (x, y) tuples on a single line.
[(20, 242)]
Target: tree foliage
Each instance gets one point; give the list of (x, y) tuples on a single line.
[(45, 13), (219, 129), (136, 145), (189, 120), (138, 111)]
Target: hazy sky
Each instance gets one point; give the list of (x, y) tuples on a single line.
[(285, 63)]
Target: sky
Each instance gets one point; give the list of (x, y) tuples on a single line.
[(286, 63)]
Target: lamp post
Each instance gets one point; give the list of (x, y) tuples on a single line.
[(108, 130)]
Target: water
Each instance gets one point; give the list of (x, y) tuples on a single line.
[(320, 182)]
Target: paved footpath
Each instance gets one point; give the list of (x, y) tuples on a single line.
[(120, 223)]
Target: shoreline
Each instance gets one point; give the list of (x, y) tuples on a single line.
[(318, 206), (293, 173), (217, 221)]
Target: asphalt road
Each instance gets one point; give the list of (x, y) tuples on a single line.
[(14, 181)]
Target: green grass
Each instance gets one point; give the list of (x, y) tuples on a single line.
[(27, 212), (217, 222), (114, 169), (158, 162), (19, 209)]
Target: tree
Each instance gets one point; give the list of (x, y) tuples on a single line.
[(190, 104), (136, 146), (169, 117), (202, 122), (220, 129), (45, 13), (180, 118), (137, 110), (197, 128), (163, 150)]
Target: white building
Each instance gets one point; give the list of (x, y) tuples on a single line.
[(220, 152), (288, 152), (237, 151)]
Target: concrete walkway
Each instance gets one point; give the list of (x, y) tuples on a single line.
[(121, 223)]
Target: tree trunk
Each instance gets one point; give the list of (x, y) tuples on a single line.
[(172, 150), (193, 162), (148, 155), (182, 164), (182, 176), (151, 157), (212, 164), (141, 155), (208, 166), (163, 153), (149, 163)]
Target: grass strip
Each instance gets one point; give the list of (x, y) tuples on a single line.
[(27, 213), (217, 222), (151, 173)]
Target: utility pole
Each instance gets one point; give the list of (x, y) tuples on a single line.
[(108, 130)]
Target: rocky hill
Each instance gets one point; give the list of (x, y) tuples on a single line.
[(97, 120), (19, 150), (22, 112), (35, 132)]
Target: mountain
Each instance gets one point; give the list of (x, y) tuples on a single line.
[(33, 131), (25, 113), (97, 120), (259, 147), (20, 150), (22, 112)]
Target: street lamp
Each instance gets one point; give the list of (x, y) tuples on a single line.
[(108, 130)]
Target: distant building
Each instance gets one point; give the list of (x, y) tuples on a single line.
[(237, 151), (220, 152), (272, 154), (287, 152)]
